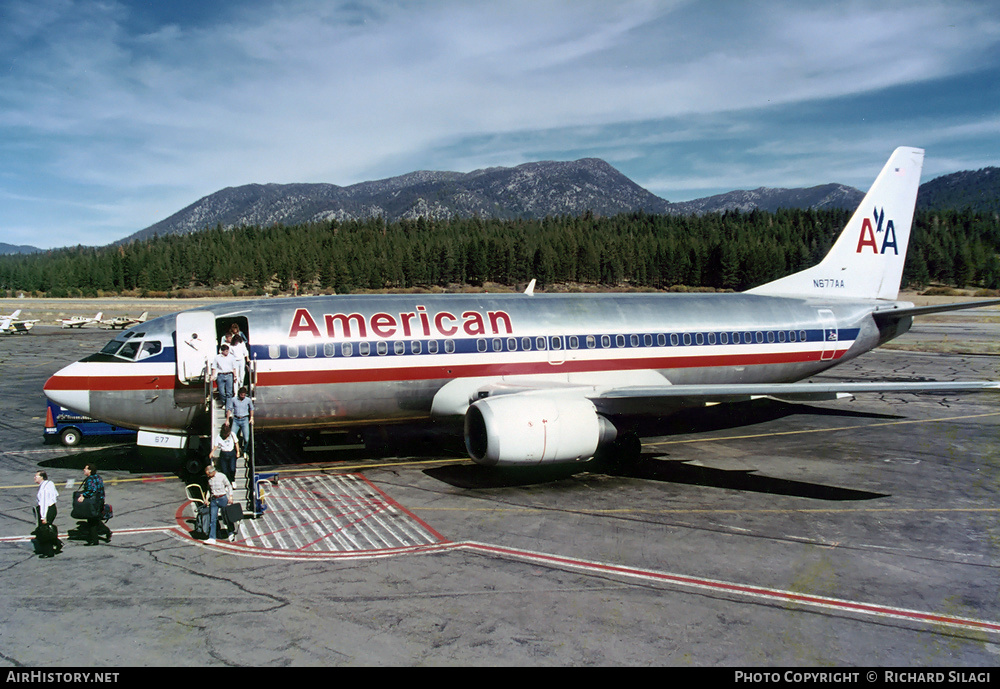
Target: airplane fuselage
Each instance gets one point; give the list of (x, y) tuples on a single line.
[(363, 360)]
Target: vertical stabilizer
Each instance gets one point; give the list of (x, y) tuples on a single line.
[(866, 262)]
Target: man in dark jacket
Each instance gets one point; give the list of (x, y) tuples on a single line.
[(93, 488)]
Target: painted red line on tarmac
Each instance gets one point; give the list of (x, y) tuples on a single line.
[(742, 589)]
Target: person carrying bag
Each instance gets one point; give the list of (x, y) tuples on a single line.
[(46, 539), (88, 503)]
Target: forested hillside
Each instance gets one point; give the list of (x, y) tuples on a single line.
[(731, 250), (974, 190)]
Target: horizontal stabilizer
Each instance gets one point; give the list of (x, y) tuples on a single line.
[(892, 314)]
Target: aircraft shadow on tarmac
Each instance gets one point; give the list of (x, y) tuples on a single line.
[(740, 415), (118, 457), (649, 468)]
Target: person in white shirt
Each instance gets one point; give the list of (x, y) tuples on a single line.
[(221, 492), (46, 541), (228, 446), (238, 350), (225, 373)]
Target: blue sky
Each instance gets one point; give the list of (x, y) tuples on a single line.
[(116, 114)]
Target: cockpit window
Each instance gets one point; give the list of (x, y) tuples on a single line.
[(149, 348), (132, 349), (129, 350), (112, 347)]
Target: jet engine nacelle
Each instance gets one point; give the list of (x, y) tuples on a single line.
[(526, 429)]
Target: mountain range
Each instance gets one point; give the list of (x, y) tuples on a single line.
[(531, 190), (17, 249)]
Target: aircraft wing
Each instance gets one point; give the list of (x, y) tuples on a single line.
[(666, 398), (714, 394)]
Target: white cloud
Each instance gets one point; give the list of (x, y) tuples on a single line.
[(310, 91)]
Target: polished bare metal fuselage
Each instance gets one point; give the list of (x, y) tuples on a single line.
[(398, 351)]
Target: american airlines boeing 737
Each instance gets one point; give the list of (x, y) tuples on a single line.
[(538, 378)]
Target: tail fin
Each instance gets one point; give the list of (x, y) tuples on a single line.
[(866, 261)]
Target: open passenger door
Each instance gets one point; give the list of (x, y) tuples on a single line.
[(195, 345)]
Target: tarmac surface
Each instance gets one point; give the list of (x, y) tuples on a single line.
[(863, 532)]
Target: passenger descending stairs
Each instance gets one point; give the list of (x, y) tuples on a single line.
[(243, 486)]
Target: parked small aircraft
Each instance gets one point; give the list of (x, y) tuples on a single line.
[(80, 321), (13, 324), (537, 378), (125, 321)]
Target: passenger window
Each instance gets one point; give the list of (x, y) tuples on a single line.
[(619, 340), (605, 341), (432, 346), (661, 339), (328, 349), (556, 343), (723, 338), (382, 347), (415, 347), (399, 347), (687, 339), (591, 341), (497, 344), (310, 351), (539, 343), (293, 351), (347, 349), (449, 346), (481, 345), (574, 342), (673, 340), (802, 336), (511, 344), (526, 344), (274, 351), (699, 338), (364, 348), (711, 338), (633, 340)]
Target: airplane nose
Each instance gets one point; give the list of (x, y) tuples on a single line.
[(68, 390)]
